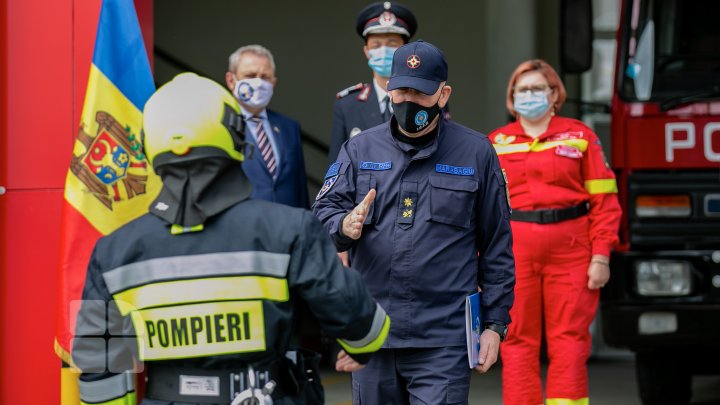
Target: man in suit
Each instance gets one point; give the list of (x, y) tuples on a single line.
[(277, 167), (384, 26)]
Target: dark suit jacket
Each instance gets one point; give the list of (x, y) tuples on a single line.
[(290, 187)]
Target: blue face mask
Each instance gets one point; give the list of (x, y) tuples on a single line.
[(531, 105), (381, 60)]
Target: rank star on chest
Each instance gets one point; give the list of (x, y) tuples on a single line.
[(408, 202)]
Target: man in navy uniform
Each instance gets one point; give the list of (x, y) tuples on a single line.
[(276, 167), (421, 204), (384, 26)]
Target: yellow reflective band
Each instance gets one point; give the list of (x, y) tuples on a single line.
[(199, 330), (176, 229), (535, 146), (199, 290), (129, 399), (566, 401), (579, 144), (601, 186), (512, 148), (374, 345)]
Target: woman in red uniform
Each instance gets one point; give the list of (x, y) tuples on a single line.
[(565, 221)]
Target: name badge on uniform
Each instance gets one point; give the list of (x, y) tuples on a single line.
[(455, 170), (568, 151), (375, 165)]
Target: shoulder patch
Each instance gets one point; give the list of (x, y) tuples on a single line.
[(363, 96), (349, 90)]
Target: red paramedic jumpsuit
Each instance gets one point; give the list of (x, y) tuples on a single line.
[(561, 168)]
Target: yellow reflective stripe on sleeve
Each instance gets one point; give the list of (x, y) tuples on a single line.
[(601, 186), (566, 401), (512, 148), (206, 289), (200, 330), (579, 144), (129, 399), (374, 339)]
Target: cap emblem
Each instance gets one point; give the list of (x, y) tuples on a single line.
[(413, 61), (421, 118), (387, 5), (387, 19)]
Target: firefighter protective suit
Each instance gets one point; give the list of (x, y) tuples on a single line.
[(565, 210), (203, 289)]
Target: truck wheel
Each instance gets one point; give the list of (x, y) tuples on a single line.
[(662, 379)]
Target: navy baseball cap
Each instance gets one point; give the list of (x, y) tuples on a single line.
[(418, 65)]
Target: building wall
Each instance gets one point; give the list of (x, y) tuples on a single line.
[(318, 53)]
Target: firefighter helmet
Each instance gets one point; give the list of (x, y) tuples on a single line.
[(192, 118)]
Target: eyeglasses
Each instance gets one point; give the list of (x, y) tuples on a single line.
[(536, 90)]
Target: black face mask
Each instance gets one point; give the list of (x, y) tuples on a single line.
[(413, 117)]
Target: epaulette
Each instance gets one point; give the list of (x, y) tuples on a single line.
[(349, 90)]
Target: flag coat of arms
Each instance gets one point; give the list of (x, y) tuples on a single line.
[(109, 182)]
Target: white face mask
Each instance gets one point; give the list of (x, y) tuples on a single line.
[(255, 92)]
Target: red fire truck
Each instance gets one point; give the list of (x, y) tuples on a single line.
[(663, 299)]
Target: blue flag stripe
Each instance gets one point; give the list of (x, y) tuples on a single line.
[(120, 52)]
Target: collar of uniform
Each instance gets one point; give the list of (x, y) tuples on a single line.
[(410, 149), (380, 92)]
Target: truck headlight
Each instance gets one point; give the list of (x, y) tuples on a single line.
[(664, 278), (663, 206)]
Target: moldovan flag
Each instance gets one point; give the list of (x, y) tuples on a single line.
[(109, 182)]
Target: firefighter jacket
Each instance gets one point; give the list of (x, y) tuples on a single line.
[(435, 209), (216, 299), (561, 168)]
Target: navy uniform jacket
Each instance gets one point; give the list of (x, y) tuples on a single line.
[(290, 187), (356, 109), (216, 299), (435, 209)]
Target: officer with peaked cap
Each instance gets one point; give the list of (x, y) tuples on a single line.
[(420, 202), (203, 289), (384, 26)]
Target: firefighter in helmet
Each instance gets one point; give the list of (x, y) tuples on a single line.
[(201, 291)]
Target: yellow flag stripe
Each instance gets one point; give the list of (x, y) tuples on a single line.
[(102, 95), (580, 144), (601, 186), (198, 290)]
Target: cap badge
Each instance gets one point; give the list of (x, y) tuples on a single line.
[(244, 91), (421, 118), (413, 61), (387, 5), (387, 19)]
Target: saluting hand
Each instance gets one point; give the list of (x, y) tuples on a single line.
[(353, 223)]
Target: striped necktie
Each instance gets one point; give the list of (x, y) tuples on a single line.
[(264, 146)]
